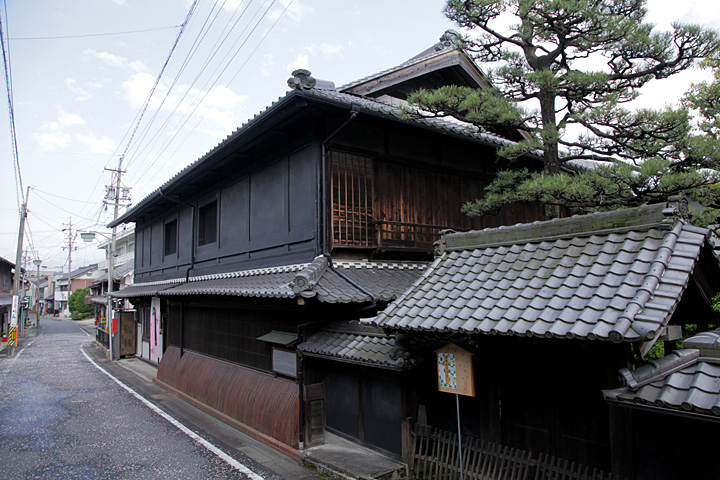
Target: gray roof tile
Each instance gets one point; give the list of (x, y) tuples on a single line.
[(385, 280), (571, 278), (687, 380)]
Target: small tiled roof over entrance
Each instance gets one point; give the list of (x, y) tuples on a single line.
[(687, 380), (353, 342), (609, 276)]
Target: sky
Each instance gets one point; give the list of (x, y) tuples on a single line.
[(81, 72)]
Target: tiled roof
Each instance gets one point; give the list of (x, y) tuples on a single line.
[(385, 280), (264, 282), (123, 270), (612, 276), (368, 104), (687, 380), (446, 44), (397, 113), (150, 289), (79, 271), (369, 347), (99, 300)]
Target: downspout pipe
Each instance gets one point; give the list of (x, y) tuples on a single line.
[(354, 110), (324, 231), (192, 221), (190, 268)]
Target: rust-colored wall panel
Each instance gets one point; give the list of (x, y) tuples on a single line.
[(261, 401)]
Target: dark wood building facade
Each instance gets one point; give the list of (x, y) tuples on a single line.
[(321, 209)]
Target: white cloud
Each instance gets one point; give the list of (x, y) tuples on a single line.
[(67, 130), (51, 141), (304, 55), (69, 120), (290, 8), (81, 94), (137, 88), (220, 105), (301, 61), (327, 49), (116, 60), (267, 64), (99, 145)]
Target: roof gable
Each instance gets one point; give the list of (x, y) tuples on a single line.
[(620, 280), (444, 63)]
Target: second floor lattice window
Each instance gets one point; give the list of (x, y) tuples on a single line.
[(352, 200), (207, 224), (170, 246)]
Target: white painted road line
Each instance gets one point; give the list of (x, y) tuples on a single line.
[(209, 446)]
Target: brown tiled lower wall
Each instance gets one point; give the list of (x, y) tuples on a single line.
[(264, 403)]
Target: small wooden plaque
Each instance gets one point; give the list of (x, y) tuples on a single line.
[(455, 370)]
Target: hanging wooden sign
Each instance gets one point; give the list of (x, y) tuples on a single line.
[(455, 370)]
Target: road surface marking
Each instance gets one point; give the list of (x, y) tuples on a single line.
[(209, 446)]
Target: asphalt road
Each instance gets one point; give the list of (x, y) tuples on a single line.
[(64, 416)]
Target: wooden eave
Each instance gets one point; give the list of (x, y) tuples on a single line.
[(453, 65)]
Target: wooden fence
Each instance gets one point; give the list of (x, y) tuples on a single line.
[(436, 457)]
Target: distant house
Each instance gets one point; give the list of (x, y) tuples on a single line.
[(6, 284), (552, 311), (81, 277), (317, 212), (123, 265)]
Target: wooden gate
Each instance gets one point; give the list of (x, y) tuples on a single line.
[(128, 334), (436, 457)]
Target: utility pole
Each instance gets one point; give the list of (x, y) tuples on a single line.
[(70, 249), (114, 195), (15, 312), (37, 263)]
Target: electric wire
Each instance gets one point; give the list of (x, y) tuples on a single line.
[(217, 77), (157, 81), (200, 37), (88, 35), (11, 111), (236, 74), (65, 198)]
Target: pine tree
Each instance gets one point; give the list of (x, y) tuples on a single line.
[(565, 72)]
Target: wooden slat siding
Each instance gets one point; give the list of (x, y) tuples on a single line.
[(265, 403), (435, 457)]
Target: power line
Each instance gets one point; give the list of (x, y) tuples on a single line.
[(59, 37), (66, 198), (11, 112), (138, 117), (157, 80), (226, 64)]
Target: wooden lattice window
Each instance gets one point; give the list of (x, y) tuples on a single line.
[(352, 200)]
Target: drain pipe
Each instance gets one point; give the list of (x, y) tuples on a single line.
[(355, 109), (190, 268), (192, 228)]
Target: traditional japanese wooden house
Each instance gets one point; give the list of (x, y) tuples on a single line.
[(552, 311), (321, 209)]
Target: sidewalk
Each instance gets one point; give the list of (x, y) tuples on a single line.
[(336, 459), (29, 331), (139, 375)]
